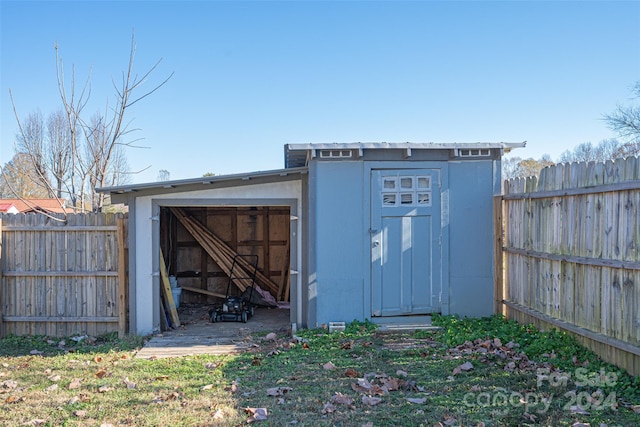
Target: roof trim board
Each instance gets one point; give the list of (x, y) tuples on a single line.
[(204, 181), (297, 155)]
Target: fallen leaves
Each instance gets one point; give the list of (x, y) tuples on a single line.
[(257, 414), (329, 366), (54, 378), (351, 373), (341, 399), (467, 366), (52, 387), (7, 386), (14, 399), (75, 383), (130, 384), (278, 391), (371, 401)]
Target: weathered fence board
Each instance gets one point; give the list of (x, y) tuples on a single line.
[(571, 254), (63, 277)]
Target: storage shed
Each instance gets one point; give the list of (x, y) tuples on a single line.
[(389, 232)]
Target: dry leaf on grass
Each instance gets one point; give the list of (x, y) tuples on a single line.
[(206, 387), (371, 401), (211, 366), (54, 378), (347, 345), (7, 386), (75, 383), (129, 384), (417, 400), (162, 377), (278, 391), (218, 415), (351, 373), (328, 408), (271, 336), (467, 366), (401, 373), (80, 413), (101, 373), (97, 359), (35, 352), (257, 414), (52, 387), (35, 422), (341, 399), (369, 424), (104, 389), (329, 366), (172, 396), (13, 399)]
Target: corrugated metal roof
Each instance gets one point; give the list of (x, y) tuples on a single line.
[(205, 180), (296, 154)]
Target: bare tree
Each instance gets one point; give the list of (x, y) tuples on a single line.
[(164, 175), (607, 149), (106, 133), (625, 120), (82, 155), (73, 105), (31, 141), (59, 151), (18, 179), (516, 167)]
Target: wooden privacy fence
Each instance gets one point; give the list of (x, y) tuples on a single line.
[(62, 278), (568, 245)]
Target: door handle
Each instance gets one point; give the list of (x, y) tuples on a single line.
[(376, 243)]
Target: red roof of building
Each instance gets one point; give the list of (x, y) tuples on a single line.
[(6, 207), (36, 205)]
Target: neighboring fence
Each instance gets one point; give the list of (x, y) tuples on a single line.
[(569, 247), (62, 278)]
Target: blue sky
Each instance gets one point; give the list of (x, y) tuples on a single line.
[(253, 76)]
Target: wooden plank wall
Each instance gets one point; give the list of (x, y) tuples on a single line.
[(62, 278), (259, 230), (572, 255)]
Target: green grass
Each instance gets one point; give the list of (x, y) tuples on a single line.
[(215, 390)]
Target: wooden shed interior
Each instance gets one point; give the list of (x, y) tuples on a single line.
[(190, 241)]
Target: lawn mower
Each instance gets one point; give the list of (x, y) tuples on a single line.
[(237, 308)]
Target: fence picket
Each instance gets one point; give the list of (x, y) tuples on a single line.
[(60, 277), (561, 251)]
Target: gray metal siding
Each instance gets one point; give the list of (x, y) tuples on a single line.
[(471, 238), (339, 217)]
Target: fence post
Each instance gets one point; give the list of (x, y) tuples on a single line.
[(498, 266), (122, 280)]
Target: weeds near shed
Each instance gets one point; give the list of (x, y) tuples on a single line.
[(471, 372)]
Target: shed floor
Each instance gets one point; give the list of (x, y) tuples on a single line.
[(197, 335)]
